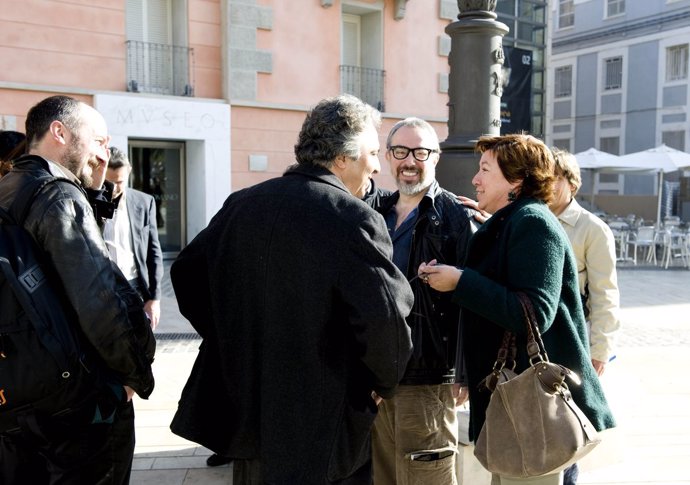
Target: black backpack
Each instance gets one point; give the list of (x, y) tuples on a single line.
[(43, 369)]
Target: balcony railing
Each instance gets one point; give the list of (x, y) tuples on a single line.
[(159, 68), (365, 83)]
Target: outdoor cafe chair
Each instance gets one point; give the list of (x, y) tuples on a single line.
[(675, 246), (620, 232), (644, 237)]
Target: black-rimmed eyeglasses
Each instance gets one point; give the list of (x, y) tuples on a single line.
[(420, 154)]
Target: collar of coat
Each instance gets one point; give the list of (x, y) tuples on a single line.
[(55, 169), (571, 213), (316, 172)]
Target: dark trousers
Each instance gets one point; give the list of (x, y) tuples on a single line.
[(82, 447), (571, 474)]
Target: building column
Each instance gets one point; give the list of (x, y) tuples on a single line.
[(474, 89)]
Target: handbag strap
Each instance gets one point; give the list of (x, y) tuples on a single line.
[(551, 375), (536, 350), (535, 345), (507, 355)]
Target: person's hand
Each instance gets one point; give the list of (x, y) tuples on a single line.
[(130, 393), (440, 277), (152, 308), (480, 216), (461, 394), (599, 366), (99, 167), (377, 399)]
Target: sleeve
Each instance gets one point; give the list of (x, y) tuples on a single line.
[(379, 298), (602, 285), (190, 280), (467, 230), (68, 233), (154, 254), (528, 241)]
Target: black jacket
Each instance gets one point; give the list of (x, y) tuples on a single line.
[(63, 225), (302, 314), (442, 232)]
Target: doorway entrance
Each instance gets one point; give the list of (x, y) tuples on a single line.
[(158, 169)]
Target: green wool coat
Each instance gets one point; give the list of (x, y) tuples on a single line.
[(523, 248)]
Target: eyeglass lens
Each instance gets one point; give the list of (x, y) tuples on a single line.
[(420, 154)]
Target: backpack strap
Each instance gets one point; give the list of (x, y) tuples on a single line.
[(19, 209)]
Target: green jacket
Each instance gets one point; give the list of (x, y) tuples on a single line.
[(523, 248)]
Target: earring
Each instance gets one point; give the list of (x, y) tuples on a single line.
[(512, 196)]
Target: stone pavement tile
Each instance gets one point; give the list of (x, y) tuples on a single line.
[(142, 463), (206, 476), (158, 477), (190, 449), (194, 461), (209, 476)]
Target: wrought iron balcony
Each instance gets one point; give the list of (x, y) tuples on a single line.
[(159, 68), (365, 83)]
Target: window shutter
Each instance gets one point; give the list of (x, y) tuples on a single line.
[(134, 18)]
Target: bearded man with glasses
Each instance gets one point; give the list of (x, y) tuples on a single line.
[(415, 434)]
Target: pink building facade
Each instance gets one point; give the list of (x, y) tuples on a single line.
[(208, 96)]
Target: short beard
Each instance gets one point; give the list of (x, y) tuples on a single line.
[(86, 180), (71, 161), (414, 189)]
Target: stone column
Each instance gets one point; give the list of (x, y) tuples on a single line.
[(474, 89)]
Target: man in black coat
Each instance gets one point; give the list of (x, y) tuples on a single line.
[(301, 311)]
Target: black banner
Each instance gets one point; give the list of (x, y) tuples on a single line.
[(516, 103)]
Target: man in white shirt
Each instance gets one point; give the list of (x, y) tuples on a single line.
[(132, 236)]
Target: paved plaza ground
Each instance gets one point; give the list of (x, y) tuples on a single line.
[(646, 386)]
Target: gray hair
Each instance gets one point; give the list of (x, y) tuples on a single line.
[(413, 123), (332, 129)]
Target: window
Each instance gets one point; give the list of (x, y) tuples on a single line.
[(361, 69), (615, 7), (566, 13), (608, 184), (613, 72), (158, 60), (610, 144), (677, 62), (563, 144), (564, 81), (674, 139)]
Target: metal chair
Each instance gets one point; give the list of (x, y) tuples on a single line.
[(620, 232), (644, 237), (675, 246)]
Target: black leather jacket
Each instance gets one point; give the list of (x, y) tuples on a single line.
[(442, 231), (63, 224)]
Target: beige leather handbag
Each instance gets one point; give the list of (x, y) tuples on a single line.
[(533, 427)]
